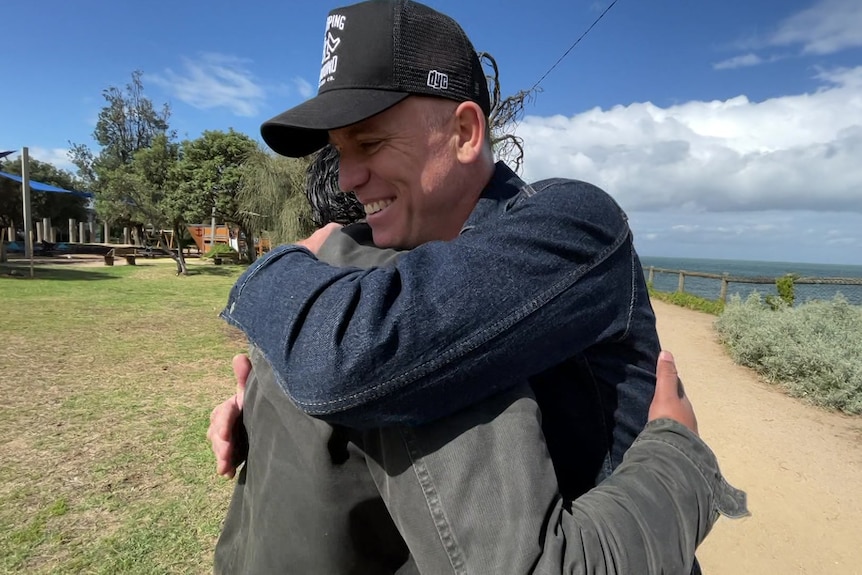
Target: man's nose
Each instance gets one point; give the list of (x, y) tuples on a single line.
[(352, 173)]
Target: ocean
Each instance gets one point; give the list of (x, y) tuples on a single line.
[(710, 288)]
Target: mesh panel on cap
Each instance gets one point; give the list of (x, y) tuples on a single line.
[(432, 41)]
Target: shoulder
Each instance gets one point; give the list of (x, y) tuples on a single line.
[(353, 245), (573, 197), (572, 190)]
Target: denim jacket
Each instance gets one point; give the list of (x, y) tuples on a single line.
[(546, 273), (542, 283)]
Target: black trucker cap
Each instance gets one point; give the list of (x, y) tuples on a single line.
[(375, 54)]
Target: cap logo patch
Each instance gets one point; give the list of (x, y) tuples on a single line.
[(438, 80), (329, 65)]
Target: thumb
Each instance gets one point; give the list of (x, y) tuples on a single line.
[(668, 384), (241, 370), (670, 400)]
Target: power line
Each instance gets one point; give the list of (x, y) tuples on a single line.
[(572, 47)]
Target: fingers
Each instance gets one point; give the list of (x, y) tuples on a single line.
[(241, 370), (220, 434)]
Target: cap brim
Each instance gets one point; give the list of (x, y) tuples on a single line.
[(303, 129)]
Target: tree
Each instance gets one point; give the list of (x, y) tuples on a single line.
[(128, 123), (210, 174), (58, 207), (153, 188), (272, 197)]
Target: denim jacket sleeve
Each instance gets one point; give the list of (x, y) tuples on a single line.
[(650, 515), (450, 323)]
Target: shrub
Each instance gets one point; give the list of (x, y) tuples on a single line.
[(813, 350), (221, 251), (786, 292)]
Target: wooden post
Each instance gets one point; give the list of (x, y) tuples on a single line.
[(72, 238), (82, 233), (212, 229), (106, 233), (10, 233), (38, 232), (723, 295), (651, 275), (681, 286), (92, 231), (127, 239)]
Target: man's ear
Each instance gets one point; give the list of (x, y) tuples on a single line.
[(470, 123)]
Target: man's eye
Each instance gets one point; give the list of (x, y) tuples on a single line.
[(369, 145)]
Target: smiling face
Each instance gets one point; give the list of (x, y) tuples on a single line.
[(408, 168)]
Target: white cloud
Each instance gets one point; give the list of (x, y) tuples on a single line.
[(847, 77), (215, 81), (742, 61), (827, 237), (799, 152), (825, 28), (305, 89), (57, 157), (685, 228)]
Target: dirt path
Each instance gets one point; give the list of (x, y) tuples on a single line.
[(801, 466)]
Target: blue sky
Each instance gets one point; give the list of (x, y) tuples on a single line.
[(725, 129)]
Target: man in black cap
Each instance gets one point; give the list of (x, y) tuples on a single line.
[(424, 372)]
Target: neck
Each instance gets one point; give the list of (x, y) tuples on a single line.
[(473, 182)]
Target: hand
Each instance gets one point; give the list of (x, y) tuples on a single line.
[(315, 240), (670, 399), (226, 432)]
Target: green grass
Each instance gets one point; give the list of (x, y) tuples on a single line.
[(108, 376), (687, 300)]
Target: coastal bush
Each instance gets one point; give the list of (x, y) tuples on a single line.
[(813, 350)]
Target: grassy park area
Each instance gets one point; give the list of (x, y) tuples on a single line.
[(108, 377)]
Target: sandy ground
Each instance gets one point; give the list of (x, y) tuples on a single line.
[(801, 465)]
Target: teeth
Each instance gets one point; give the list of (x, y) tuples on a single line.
[(375, 207)]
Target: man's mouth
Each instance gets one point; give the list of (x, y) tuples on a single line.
[(377, 206)]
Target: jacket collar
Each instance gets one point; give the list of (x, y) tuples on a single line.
[(499, 195)]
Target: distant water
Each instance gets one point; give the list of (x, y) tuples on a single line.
[(709, 288)]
